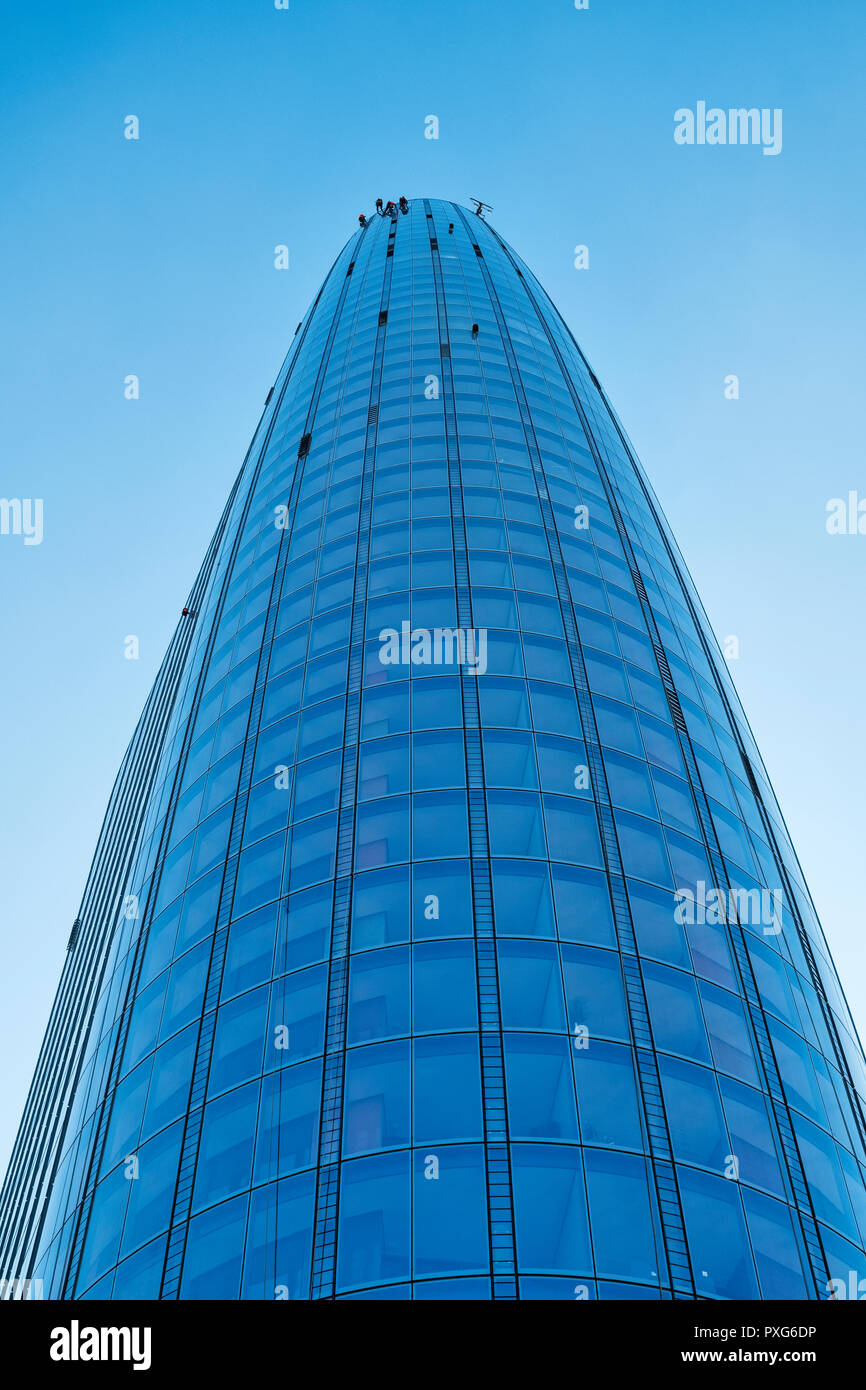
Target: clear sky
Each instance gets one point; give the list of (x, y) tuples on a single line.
[(261, 127)]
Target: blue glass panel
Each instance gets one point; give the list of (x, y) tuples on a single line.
[(594, 992), (151, 1189), (378, 1083), (183, 996), (695, 1118), (239, 1041), (413, 862), (226, 1156), (675, 1012), (716, 1232), (607, 1096), (444, 990), (446, 1091), (540, 1088), (530, 983), (379, 993), (382, 833), (457, 1290), (250, 951), (556, 1290), (450, 1212), (214, 1252), (380, 912), (297, 1021), (776, 1252), (583, 908), (439, 825), (279, 1241), (659, 934), (515, 824), (374, 1242), (622, 1227), (139, 1278), (259, 873), (522, 898), (550, 1209), (172, 1074), (572, 831)]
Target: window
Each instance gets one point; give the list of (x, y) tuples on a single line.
[(296, 1027), (540, 1088), (515, 824), (572, 831), (643, 849), (279, 1240), (446, 1094), (530, 985), (444, 991), (607, 1096), (186, 983), (751, 1136), (383, 768), (522, 899), (214, 1252), (381, 909), (509, 760), (594, 992), (382, 833), (152, 1193), (657, 931), (259, 871), (374, 1228), (377, 1107), (450, 1212), (172, 1077), (550, 1209), (775, 1247), (439, 824), (379, 995), (438, 760), (226, 1151), (675, 1013), (695, 1118), (622, 1228), (250, 951), (729, 1037), (716, 1231)]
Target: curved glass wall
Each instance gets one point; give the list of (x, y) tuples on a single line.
[(464, 953)]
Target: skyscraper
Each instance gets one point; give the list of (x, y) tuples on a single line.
[(444, 938)]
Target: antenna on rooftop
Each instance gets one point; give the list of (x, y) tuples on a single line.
[(480, 208)]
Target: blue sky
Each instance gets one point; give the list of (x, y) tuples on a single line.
[(261, 127)]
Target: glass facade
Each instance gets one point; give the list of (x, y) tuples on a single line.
[(444, 939)]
